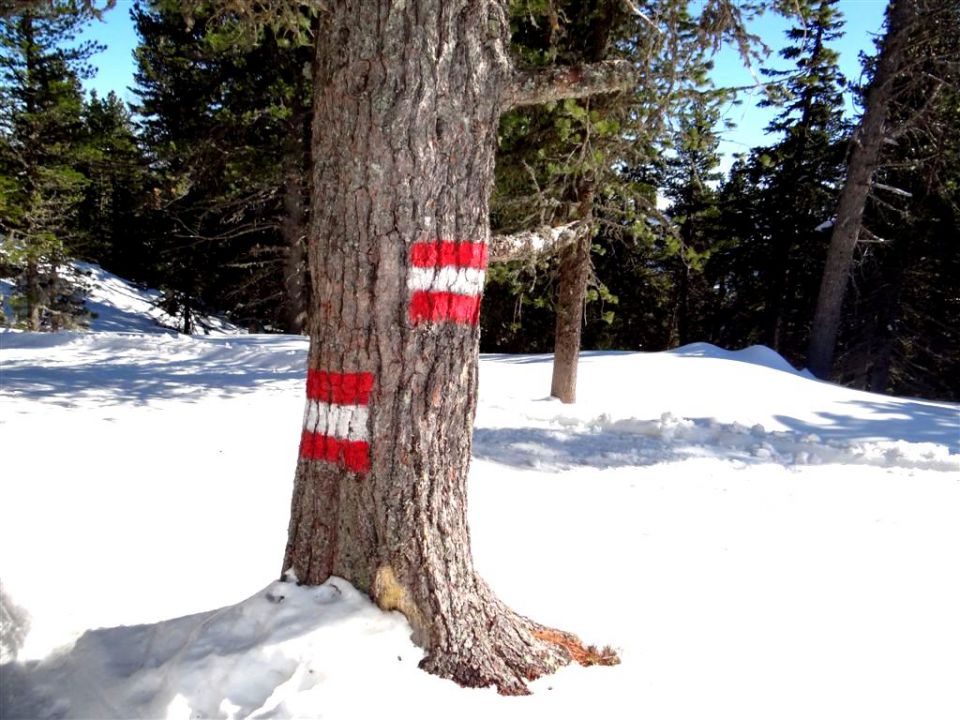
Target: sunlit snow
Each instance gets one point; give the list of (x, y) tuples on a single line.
[(755, 543)]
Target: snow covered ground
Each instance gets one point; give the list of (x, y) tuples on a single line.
[(119, 306), (755, 543)]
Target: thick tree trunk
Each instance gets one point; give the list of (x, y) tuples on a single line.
[(864, 154), (407, 98)]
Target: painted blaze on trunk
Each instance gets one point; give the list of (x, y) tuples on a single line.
[(406, 104)]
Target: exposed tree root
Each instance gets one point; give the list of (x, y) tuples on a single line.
[(510, 652), (586, 655)]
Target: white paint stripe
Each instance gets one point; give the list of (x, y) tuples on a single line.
[(347, 422), (461, 281)]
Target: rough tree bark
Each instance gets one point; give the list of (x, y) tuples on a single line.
[(571, 297), (407, 98), (531, 243), (861, 163)]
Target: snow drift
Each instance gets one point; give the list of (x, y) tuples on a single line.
[(754, 542)]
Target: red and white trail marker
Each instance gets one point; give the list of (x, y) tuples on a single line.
[(446, 281), (335, 425)]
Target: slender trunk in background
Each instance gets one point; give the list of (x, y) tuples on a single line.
[(571, 298), (32, 296), (293, 230), (861, 163), (683, 306)]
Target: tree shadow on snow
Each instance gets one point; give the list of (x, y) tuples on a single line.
[(217, 370), (891, 419), (633, 442), (197, 662), (556, 450)]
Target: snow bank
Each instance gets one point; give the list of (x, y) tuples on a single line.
[(755, 543), (121, 306)]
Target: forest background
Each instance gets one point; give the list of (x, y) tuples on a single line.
[(196, 180)]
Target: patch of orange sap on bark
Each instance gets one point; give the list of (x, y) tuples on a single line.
[(389, 594)]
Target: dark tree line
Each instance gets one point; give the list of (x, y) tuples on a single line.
[(740, 260), (202, 187)]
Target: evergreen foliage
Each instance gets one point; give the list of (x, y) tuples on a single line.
[(778, 251), (690, 181), (117, 193), (202, 188), (41, 145), (554, 157), (900, 332), (227, 127)]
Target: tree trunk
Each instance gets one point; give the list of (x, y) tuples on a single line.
[(864, 154), (293, 230), (32, 295), (406, 105), (571, 297), (683, 305)]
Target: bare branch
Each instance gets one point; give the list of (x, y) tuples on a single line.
[(894, 190), (549, 84), (868, 237), (638, 12), (911, 122), (531, 243)]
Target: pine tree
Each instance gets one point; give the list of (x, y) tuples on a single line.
[(734, 265), (689, 183), (568, 163), (227, 119), (42, 130), (799, 177), (907, 111), (898, 331), (112, 213)]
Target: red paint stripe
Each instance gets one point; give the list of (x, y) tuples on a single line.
[(428, 306), (443, 253), (339, 388), (352, 454)]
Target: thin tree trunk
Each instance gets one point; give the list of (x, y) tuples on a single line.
[(683, 306), (293, 230), (32, 295), (571, 298), (407, 99), (863, 158)]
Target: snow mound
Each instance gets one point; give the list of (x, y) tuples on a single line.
[(121, 306), (283, 652), (100, 370), (604, 442), (755, 355)]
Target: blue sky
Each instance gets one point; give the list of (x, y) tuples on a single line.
[(864, 19)]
